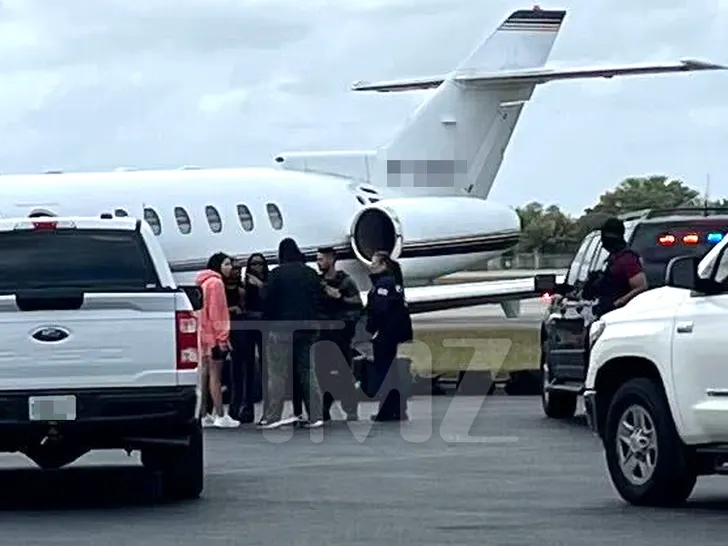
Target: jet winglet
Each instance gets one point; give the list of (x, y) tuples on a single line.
[(538, 75)]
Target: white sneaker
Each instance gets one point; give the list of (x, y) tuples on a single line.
[(226, 422), (315, 424), (270, 425), (208, 421)]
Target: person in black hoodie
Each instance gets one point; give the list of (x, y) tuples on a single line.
[(291, 309), (389, 322)]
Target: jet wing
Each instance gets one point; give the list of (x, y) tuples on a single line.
[(537, 76), (425, 299)]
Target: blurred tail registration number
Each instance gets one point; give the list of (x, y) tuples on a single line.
[(52, 408)]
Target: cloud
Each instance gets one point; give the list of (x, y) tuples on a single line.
[(93, 85)]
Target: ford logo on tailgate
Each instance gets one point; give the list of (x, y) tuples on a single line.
[(50, 334)]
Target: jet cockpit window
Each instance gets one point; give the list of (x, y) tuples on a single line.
[(213, 219), (121, 213), (246, 219), (274, 214), (183, 220), (152, 218)]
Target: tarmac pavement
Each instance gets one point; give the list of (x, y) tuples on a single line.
[(512, 478)]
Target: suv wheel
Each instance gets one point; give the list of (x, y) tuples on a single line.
[(647, 461), (556, 404), (182, 468)]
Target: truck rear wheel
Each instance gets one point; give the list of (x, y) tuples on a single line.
[(647, 461), (181, 468), (556, 404)]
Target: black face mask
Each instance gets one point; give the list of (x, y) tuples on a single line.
[(611, 242)]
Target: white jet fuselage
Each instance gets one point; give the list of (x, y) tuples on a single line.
[(432, 236)]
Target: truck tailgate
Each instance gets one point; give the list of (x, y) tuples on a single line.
[(112, 339)]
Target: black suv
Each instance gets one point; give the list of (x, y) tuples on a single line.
[(658, 236)]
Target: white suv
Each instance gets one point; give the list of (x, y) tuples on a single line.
[(657, 383)]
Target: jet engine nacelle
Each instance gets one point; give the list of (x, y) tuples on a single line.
[(432, 226)]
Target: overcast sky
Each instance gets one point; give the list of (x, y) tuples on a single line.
[(105, 83)]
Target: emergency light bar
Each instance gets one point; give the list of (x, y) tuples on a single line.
[(668, 239)]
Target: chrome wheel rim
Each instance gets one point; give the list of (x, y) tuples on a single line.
[(636, 445)]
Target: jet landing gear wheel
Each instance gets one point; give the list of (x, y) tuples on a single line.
[(647, 461), (556, 404)]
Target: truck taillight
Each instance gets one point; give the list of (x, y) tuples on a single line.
[(187, 352), (45, 224)]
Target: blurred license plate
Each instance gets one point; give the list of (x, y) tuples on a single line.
[(52, 408)]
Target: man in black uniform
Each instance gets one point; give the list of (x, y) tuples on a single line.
[(389, 322), (342, 302), (291, 310)]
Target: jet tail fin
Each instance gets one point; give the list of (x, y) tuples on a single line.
[(455, 142)]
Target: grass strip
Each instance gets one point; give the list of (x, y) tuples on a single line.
[(499, 350)]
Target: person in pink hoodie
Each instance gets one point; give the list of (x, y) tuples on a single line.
[(214, 337)]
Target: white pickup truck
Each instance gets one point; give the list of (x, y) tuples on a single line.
[(657, 383), (99, 348)]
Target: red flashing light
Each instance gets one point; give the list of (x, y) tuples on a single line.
[(666, 240), (187, 353), (691, 239)]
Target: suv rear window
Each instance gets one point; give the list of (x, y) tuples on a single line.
[(656, 253), (93, 260)]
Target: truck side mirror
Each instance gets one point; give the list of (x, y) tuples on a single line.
[(682, 272), (544, 284)]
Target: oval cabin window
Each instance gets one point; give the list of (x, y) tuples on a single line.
[(121, 213), (274, 214), (213, 218), (246, 219), (183, 220), (152, 218)]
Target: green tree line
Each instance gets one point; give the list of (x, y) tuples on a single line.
[(548, 230)]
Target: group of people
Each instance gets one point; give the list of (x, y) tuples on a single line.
[(262, 331)]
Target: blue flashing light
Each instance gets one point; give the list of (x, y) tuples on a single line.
[(714, 237)]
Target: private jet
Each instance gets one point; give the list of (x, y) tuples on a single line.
[(422, 196)]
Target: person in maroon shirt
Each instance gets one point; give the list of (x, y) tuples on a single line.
[(624, 272)]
